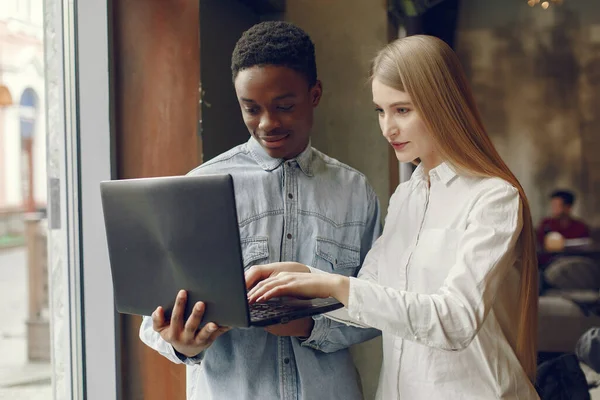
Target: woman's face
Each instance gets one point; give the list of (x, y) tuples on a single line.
[(403, 126)]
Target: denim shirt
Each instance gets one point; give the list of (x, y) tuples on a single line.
[(314, 210)]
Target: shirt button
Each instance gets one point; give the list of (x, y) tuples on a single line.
[(286, 360), (416, 338), (289, 235), (291, 196)]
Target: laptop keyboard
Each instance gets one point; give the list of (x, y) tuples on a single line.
[(259, 311)]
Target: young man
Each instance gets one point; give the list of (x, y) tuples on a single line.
[(561, 220), (294, 204)]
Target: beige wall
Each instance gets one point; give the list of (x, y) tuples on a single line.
[(536, 77), (347, 34)]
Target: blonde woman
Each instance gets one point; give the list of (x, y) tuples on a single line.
[(452, 282)]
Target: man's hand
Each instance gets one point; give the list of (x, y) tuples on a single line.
[(186, 339), (299, 327)]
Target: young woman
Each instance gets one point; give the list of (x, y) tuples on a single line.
[(452, 282)]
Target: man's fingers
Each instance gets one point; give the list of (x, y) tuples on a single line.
[(206, 332), (221, 330), (195, 318), (218, 333), (158, 320), (178, 310)]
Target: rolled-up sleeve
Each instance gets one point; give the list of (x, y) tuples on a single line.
[(153, 340)]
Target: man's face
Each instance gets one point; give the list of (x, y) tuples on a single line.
[(277, 106), (558, 208)]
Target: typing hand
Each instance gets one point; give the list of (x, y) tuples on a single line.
[(258, 273), (299, 285)]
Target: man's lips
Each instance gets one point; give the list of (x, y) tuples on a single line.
[(273, 138), (274, 141)]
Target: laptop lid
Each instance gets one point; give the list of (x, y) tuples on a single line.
[(171, 233)]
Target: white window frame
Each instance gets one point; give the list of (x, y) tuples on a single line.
[(77, 47)]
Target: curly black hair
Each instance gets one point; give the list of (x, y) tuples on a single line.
[(567, 196), (275, 43)]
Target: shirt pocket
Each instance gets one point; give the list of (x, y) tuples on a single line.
[(434, 256), (255, 250), (331, 256)]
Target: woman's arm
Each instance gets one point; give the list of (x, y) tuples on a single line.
[(448, 319)]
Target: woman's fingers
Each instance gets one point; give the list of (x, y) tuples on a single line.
[(277, 291), (264, 286)]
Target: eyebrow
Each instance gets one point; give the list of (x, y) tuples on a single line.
[(401, 103), (282, 97), (285, 96), (396, 104)]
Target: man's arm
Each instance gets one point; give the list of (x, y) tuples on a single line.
[(152, 339)]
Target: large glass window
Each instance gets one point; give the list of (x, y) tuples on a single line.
[(53, 87), (25, 345)]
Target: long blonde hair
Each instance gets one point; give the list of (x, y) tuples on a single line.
[(430, 72)]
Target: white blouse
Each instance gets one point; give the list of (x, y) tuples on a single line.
[(442, 284)]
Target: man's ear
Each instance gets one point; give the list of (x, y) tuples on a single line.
[(315, 93)]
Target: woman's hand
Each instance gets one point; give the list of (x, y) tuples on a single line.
[(258, 273), (301, 285)]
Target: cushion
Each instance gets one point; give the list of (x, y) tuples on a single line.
[(573, 273)]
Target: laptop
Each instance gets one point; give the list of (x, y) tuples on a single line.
[(171, 233)]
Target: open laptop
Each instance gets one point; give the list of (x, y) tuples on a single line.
[(172, 233)]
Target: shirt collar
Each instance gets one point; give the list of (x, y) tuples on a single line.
[(443, 172), (268, 163)]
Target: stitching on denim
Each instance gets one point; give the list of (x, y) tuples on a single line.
[(335, 224), (259, 216)]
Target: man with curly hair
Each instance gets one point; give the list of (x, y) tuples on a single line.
[(294, 203)]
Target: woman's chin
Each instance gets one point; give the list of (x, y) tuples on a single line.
[(404, 158)]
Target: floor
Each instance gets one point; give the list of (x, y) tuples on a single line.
[(19, 379)]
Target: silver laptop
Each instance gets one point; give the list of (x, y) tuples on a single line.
[(172, 233)]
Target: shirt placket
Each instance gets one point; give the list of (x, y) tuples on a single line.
[(423, 188), (290, 227), (288, 373)]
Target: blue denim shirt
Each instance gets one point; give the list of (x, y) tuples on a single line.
[(314, 210)]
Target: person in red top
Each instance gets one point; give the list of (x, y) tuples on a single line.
[(561, 221)]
